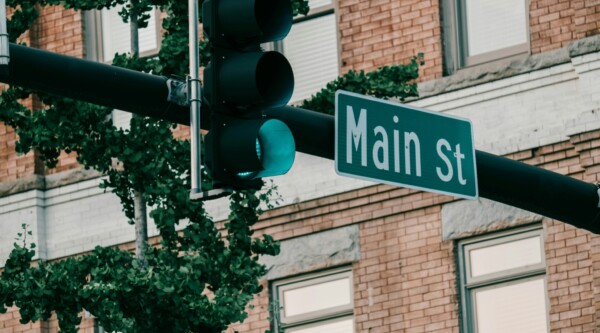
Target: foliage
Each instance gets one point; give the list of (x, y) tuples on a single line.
[(386, 82), (199, 279)]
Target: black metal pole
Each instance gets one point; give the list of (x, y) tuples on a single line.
[(500, 179), (93, 82)]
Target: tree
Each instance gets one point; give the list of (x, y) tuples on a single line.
[(198, 279)]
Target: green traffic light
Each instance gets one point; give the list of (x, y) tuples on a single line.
[(278, 148), (275, 150), (253, 148)]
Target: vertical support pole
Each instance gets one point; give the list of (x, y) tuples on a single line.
[(4, 54), (195, 99)]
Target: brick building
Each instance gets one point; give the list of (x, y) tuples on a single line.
[(362, 257)]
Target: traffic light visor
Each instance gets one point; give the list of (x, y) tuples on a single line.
[(256, 78), (255, 148), (252, 21)]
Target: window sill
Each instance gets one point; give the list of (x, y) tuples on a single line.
[(492, 71)]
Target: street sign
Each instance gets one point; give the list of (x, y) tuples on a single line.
[(401, 145)]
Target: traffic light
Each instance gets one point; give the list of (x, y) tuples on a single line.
[(240, 82)]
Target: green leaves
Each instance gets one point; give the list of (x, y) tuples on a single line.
[(386, 82)]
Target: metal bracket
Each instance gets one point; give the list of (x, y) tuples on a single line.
[(178, 92), (191, 83)]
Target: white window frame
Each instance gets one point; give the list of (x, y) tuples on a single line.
[(468, 284), (456, 45), (281, 323)]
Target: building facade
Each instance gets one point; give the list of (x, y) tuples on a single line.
[(363, 257)]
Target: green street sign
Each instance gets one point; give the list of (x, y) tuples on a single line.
[(401, 145)]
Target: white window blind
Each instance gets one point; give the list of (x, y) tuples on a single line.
[(316, 4), (121, 119), (116, 36), (514, 308), (311, 48), (494, 25), (506, 256), (317, 297)]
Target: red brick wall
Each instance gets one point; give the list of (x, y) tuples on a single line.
[(59, 30), (13, 166), (10, 323), (385, 32), (556, 23)]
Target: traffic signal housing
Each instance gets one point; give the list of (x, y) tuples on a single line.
[(240, 82)]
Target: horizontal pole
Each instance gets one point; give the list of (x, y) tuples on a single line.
[(500, 179), (93, 82)]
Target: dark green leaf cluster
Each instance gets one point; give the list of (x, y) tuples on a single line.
[(386, 82), (202, 286)]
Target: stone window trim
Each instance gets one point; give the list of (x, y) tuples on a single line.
[(509, 67)]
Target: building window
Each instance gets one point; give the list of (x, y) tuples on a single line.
[(312, 49), (314, 303), (503, 282), (480, 31), (107, 34)]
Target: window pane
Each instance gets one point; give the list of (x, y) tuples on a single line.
[(317, 297), (517, 308), (121, 119), (494, 25), (315, 4), (311, 48), (116, 35), (505, 256), (342, 326)]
